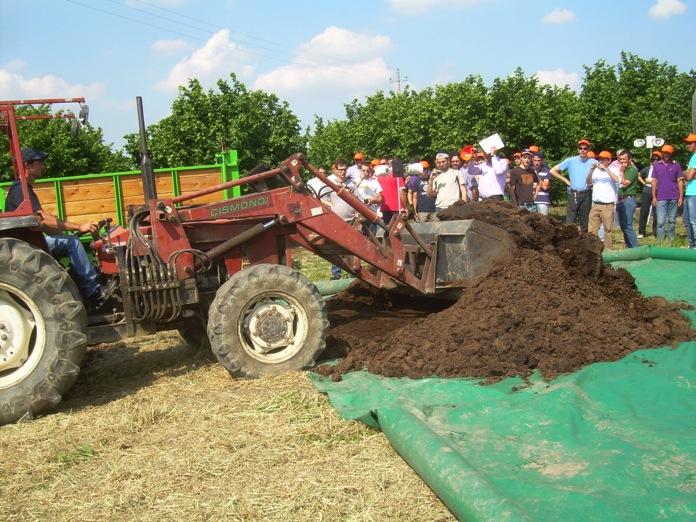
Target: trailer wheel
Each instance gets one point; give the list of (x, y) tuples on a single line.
[(42, 331), (267, 319)]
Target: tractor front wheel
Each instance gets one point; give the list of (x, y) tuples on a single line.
[(267, 319), (42, 331)]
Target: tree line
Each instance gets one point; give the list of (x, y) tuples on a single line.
[(614, 105)]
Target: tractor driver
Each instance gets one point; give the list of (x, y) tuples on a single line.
[(59, 244)]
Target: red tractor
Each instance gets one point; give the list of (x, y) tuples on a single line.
[(221, 271)]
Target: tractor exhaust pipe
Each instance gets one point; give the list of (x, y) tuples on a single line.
[(148, 175)]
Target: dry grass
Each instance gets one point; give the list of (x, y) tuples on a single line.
[(154, 431)]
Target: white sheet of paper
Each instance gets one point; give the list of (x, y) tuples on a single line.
[(491, 142)]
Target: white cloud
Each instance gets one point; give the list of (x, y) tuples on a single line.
[(559, 78), (335, 44), (335, 59), (348, 77), (169, 46), (418, 7), (13, 85), (214, 60), (559, 16), (667, 8)]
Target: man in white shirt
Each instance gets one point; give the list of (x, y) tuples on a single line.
[(491, 174), (369, 191), (445, 183), (354, 170), (605, 182)]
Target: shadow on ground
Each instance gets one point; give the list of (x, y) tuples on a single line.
[(112, 371)]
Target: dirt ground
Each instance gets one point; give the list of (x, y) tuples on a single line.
[(556, 308), (153, 430)]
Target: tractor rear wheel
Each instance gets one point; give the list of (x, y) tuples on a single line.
[(42, 331), (267, 319)]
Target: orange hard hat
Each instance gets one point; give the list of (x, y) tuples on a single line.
[(691, 138), (605, 154), (359, 156), (668, 149), (425, 164)]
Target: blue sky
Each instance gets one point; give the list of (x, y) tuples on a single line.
[(316, 55)]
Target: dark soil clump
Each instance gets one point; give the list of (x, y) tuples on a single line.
[(556, 308)]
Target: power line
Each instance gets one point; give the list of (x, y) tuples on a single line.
[(247, 35), (197, 28), (167, 29)]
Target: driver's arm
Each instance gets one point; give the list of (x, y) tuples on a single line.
[(54, 225)]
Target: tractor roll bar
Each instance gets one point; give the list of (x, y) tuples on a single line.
[(43, 101)]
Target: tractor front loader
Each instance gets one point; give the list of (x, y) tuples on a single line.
[(223, 271)]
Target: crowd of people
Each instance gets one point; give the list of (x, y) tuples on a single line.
[(603, 190)]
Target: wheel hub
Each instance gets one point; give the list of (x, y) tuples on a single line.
[(270, 326), (16, 327)]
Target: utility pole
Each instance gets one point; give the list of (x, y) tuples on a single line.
[(397, 81)]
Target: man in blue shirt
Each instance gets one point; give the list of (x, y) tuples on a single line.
[(690, 192), (59, 244), (579, 197)]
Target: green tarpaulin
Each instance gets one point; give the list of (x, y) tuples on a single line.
[(613, 441)]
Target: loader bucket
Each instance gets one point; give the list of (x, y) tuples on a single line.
[(463, 250)]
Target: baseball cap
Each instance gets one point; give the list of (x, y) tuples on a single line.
[(29, 154), (374, 162), (691, 138), (605, 154), (590, 154), (539, 155), (358, 156), (534, 148), (584, 142), (425, 164), (527, 152), (668, 149), (656, 153)]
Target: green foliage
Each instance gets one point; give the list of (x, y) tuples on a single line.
[(615, 105), (67, 155), (201, 124)]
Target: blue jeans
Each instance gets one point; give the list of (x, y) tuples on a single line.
[(335, 272), (666, 218), (689, 216), (626, 209), (70, 246)]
